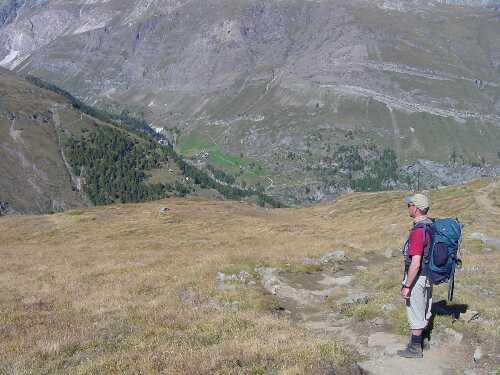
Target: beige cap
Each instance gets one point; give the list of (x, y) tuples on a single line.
[(419, 200)]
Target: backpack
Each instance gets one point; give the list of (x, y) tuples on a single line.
[(441, 255)]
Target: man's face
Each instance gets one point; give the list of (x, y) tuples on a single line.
[(412, 210)]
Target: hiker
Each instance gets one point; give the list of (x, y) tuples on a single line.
[(416, 288)]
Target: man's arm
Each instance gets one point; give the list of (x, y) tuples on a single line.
[(411, 276), (413, 270)]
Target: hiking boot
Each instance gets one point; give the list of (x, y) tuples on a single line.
[(426, 345), (411, 351)]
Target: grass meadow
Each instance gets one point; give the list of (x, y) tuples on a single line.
[(125, 289)]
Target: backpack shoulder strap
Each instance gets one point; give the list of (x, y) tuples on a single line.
[(426, 226)]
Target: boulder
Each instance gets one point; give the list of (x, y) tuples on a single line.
[(334, 256), (269, 280), (478, 354), (233, 281), (164, 210), (355, 297), (4, 208), (336, 281)]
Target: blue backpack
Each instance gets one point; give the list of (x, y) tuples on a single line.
[(441, 255)]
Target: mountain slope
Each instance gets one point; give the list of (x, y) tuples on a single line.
[(58, 153), (35, 177), (263, 79)]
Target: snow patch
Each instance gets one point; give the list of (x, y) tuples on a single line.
[(13, 59), (109, 92), (89, 27), (9, 58)]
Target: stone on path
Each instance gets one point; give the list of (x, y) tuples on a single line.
[(478, 354), (338, 281), (403, 366), (276, 286), (388, 343)]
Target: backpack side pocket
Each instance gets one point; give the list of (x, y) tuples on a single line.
[(440, 254)]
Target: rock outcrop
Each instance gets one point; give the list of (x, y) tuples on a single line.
[(8, 10)]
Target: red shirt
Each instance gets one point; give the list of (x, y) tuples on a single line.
[(417, 242)]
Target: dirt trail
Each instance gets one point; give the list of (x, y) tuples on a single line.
[(396, 132), (75, 181), (404, 105), (14, 133), (484, 201), (310, 300)]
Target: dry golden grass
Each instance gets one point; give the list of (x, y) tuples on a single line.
[(123, 289)]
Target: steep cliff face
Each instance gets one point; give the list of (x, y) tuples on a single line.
[(263, 78)]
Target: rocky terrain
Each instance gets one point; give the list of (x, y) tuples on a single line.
[(260, 80)]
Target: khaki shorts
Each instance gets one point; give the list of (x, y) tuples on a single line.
[(418, 306)]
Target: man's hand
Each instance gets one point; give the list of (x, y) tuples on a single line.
[(405, 292)]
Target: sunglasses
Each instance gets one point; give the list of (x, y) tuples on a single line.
[(410, 204)]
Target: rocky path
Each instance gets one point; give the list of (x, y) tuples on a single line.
[(309, 299)]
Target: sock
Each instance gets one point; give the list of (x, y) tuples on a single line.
[(416, 340)]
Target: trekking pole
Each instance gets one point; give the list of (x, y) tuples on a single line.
[(451, 285)]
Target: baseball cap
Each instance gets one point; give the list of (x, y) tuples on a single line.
[(419, 200)]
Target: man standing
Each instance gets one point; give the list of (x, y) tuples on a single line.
[(416, 289)]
